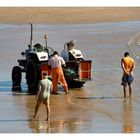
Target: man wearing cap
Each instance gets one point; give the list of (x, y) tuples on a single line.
[(56, 62), (43, 95)]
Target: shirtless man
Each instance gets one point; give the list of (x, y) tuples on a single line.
[(128, 66)]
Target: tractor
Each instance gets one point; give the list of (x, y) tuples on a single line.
[(76, 71)]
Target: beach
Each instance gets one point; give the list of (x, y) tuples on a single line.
[(102, 34), (67, 15)]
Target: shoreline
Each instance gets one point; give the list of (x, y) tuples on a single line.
[(67, 15)]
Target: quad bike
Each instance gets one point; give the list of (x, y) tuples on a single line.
[(77, 70)]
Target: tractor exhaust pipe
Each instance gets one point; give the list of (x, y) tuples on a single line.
[(31, 37)]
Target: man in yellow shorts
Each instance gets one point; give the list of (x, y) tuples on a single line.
[(128, 66)]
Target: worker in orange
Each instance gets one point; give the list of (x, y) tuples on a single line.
[(56, 62), (128, 66)]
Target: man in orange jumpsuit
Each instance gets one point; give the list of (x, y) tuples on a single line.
[(56, 63), (128, 66)]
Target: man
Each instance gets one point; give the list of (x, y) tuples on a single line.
[(56, 62), (128, 66), (43, 95)]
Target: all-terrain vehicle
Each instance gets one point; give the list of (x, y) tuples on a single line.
[(76, 71)]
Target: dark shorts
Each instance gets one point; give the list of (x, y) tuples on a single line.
[(127, 79)]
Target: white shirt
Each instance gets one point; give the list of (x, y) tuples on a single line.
[(56, 61)]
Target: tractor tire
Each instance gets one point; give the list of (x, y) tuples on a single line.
[(16, 78), (33, 75)]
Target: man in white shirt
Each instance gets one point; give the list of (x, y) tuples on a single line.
[(56, 63)]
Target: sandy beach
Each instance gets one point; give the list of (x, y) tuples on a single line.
[(67, 15), (102, 34)]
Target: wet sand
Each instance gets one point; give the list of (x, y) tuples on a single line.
[(98, 107)]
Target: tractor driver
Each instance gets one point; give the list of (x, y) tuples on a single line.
[(38, 47)]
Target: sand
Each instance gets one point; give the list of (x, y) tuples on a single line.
[(67, 15)]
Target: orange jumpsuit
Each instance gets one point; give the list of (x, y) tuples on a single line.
[(57, 73), (58, 76)]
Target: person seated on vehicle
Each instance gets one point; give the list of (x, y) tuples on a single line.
[(38, 47), (71, 45), (68, 46)]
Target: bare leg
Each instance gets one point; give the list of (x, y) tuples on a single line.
[(47, 105), (130, 90), (124, 90), (38, 103)]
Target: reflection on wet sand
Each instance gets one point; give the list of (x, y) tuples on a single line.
[(39, 126), (128, 123)]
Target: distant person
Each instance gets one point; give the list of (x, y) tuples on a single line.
[(43, 95), (56, 62), (128, 66)]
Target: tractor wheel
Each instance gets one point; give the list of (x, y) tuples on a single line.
[(16, 78), (32, 76)]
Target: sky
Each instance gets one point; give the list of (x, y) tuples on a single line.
[(46, 3)]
